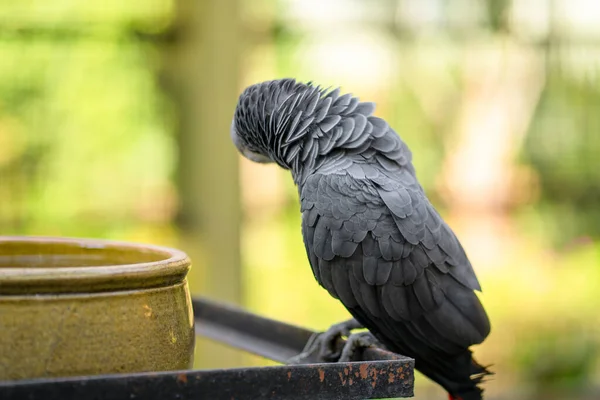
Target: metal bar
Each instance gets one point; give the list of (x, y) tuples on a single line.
[(376, 379), (265, 337)]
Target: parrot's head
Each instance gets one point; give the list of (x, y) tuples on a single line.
[(271, 119)]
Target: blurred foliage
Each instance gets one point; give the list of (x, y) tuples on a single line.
[(85, 131), (88, 148), (563, 146), (106, 16), (558, 359)]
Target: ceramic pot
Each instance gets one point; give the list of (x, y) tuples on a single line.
[(83, 307)]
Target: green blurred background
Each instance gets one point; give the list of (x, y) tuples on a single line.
[(114, 123)]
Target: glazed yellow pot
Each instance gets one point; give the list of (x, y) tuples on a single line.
[(83, 307)]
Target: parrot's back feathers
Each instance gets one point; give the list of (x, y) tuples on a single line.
[(373, 239), (346, 218), (417, 297)]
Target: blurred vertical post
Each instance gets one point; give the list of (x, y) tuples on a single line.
[(203, 68)]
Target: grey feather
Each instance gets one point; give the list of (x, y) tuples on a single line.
[(341, 283), (360, 123), (343, 100), (347, 126), (322, 110), (300, 131), (366, 108), (380, 127), (399, 202), (354, 102), (355, 144), (329, 122), (326, 277)]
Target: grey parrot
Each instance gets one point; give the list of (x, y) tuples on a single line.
[(373, 239)]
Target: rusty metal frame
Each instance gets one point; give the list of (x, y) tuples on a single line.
[(380, 374)]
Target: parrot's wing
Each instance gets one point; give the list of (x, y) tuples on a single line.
[(381, 248)]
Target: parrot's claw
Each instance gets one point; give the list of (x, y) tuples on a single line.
[(305, 356), (356, 341), (324, 344)]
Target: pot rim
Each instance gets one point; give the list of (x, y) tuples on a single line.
[(169, 271)]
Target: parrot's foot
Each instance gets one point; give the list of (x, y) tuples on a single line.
[(324, 344)]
